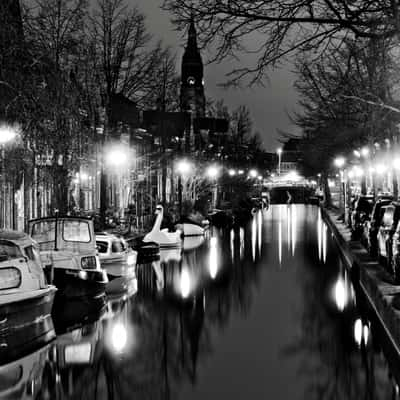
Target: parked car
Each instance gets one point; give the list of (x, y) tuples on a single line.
[(371, 226), (361, 212), (118, 260), (26, 299), (390, 219), (68, 250), (395, 265)]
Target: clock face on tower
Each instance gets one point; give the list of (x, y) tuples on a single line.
[(191, 81)]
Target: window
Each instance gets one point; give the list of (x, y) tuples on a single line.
[(10, 278), (33, 254), (9, 250), (76, 231), (116, 246), (388, 217), (44, 231), (102, 247)]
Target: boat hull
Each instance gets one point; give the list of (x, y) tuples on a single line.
[(68, 314), (25, 324), (121, 284), (79, 283), (191, 229)]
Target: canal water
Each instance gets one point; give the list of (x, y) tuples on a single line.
[(265, 311)]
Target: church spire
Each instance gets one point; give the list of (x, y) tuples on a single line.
[(192, 36)]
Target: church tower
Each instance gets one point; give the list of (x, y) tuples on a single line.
[(192, 82)]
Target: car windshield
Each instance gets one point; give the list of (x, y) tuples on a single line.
[(9, 250)]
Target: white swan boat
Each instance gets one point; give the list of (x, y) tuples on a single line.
[(163, 237)]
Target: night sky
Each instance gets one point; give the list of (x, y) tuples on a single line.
[(268, 105)]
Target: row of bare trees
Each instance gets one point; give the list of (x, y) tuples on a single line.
[(59, 74)]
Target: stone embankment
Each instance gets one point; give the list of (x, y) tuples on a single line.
[(376, 283)]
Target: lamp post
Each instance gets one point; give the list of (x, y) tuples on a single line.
[(279, 152), (184, 168), (339, 163), (117, 158), (8, 133), (213, 173)]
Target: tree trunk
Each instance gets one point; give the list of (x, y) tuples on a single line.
[(327, 191)]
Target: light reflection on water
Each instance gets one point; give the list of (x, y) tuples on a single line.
[(221, 321)]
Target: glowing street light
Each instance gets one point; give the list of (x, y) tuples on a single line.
[(183, 167), (380, 169), (365, 152), (117, 157), (279, 152), (339, 162), (253, 173), (212, 172), (240, 172), (357, 153), (8, 133), (396, 163), (232, 172)]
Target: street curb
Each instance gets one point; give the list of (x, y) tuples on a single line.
[(371, 276)]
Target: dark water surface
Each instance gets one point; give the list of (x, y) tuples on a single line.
[(264, 312)]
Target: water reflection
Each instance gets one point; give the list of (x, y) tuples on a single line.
[(222, 322), (213, 258)]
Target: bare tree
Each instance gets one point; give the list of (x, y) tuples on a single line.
[(126, 65), (283, 27), (53, 29)]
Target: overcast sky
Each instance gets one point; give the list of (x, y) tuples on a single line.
[(268, 105)]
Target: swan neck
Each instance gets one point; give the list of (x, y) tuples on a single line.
[(157, 224)]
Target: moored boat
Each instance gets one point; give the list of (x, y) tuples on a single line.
[(68, 252), (26, 299), (119, 261)]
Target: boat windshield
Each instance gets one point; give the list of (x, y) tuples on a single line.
[(71, 231), (43, 231), (9, 250)]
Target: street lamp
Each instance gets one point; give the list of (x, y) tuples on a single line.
[(339, 163), (365, 151), (118, 158), (253, 173), (183, 167), (232, 172), (279, 152), (213, 172)]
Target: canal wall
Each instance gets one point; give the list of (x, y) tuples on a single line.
[(373, 279)]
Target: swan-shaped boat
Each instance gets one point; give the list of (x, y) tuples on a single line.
[(163, 237)]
